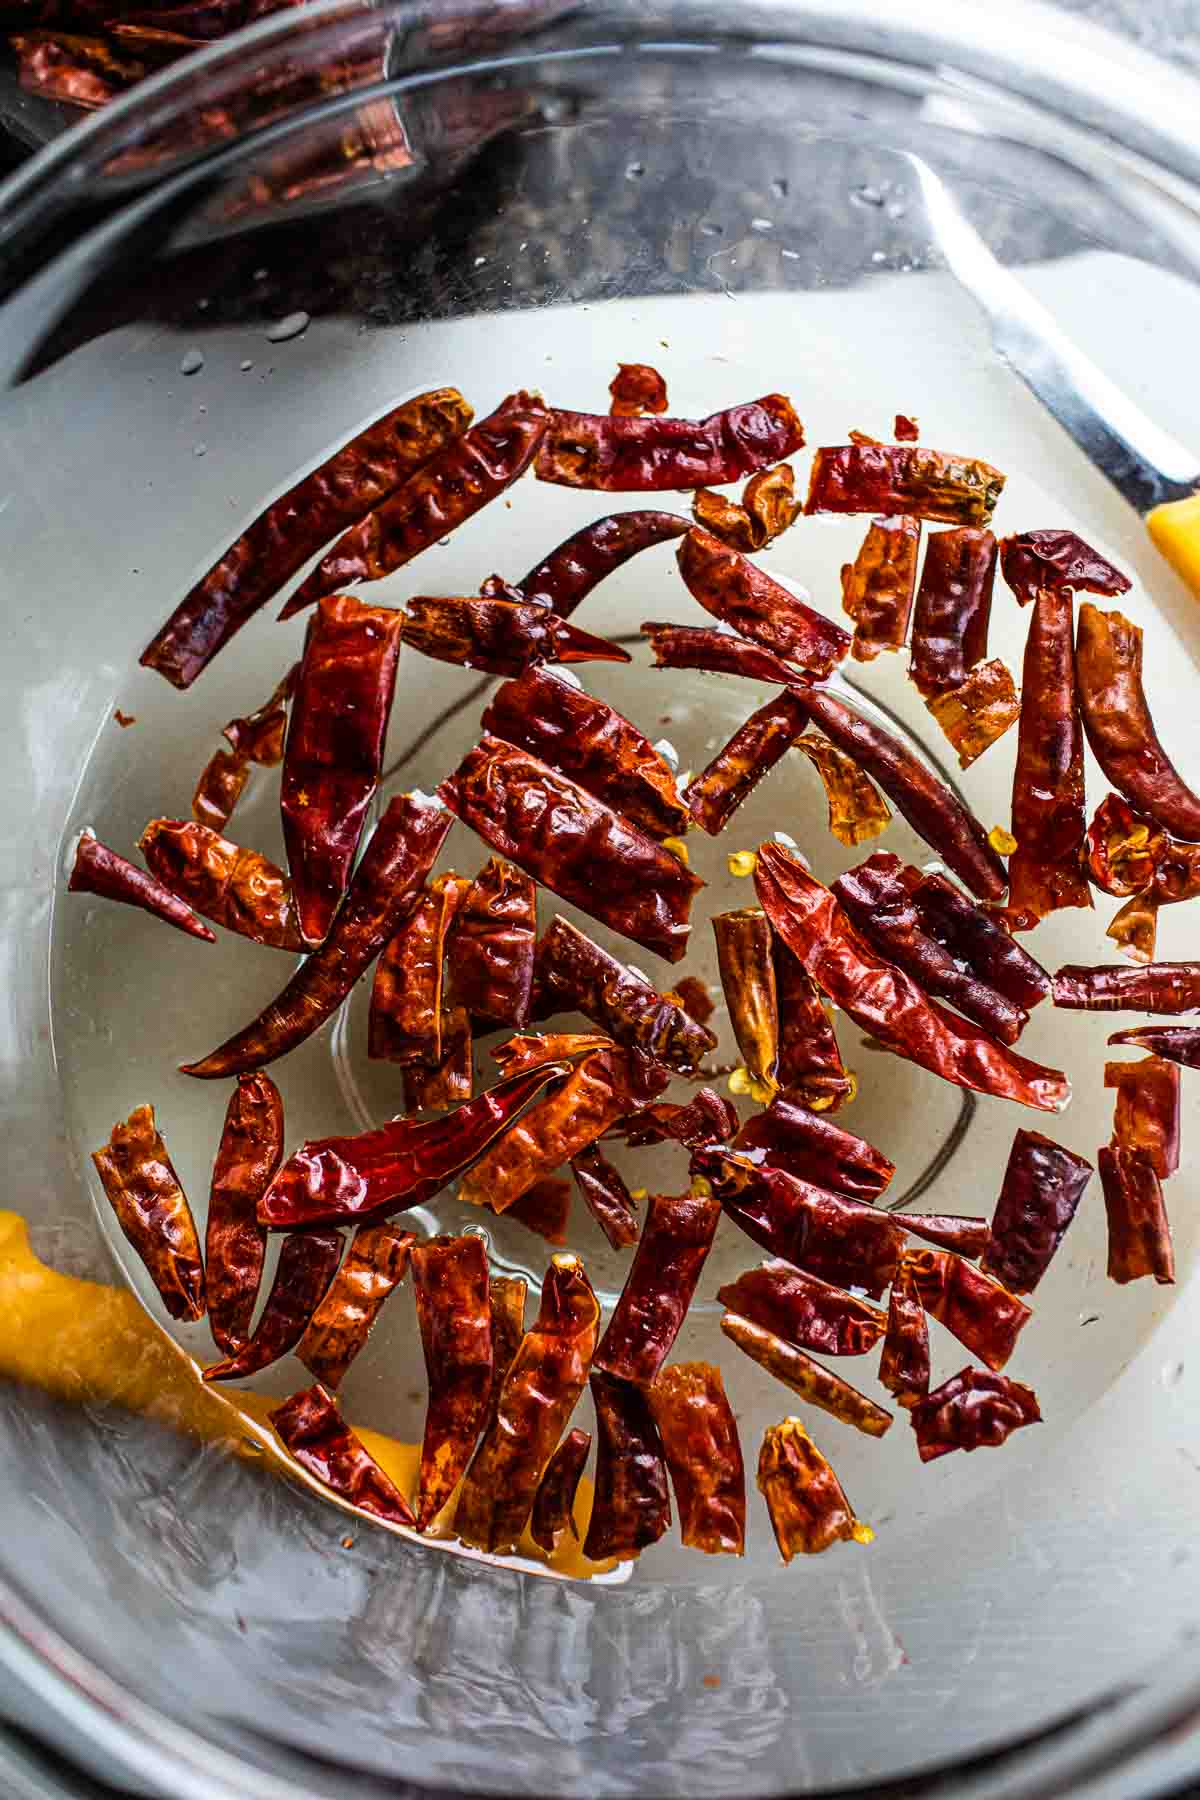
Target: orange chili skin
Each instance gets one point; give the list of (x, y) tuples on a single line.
[(904, 1364), (234, 887), (235, 1244), (506, 1303), (658, 1290), (1146, 1121), (565, 578), (1120, 729), (576, 974), (736, 770), (1058, 561), (449, 1081), (978, 712), (978, 1310), (810, 1067), (954, 606), (623, 455), (768, 507), (879, 585), (64, 66), (857, 810), (308, 1262), (98, 870), (807, 1504), (490, 954), (704, 647), (1161, 987), (311, 1429), (450, 1285), (707, 1119), (744, 957), (406, 1017), (971, 935), (804, 1310), (503, 635), (819, 1386), (631, 1507), (891, 479), (1043, 1185), (971, 1411), (700, 1442), (374, 1266), (637, 388), (1178, 1043), (554, 1507), (152, 1211), (258, 738), (606, 1196), (1139, 1232), (221, 785), (791, 1137), (741, 594)]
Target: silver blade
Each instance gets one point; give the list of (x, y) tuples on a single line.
[(1147, 465)]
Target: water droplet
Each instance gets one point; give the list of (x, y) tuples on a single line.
[(878, 256), (191, 362), (203, 305), (479, 261), (260, 274), (634, 171), (866, 195), (1172, 1374), (199, 449), (792, 255), (668, 752), (762, 224), (779, 187), (896, 209), (290, 327), (708, 229), (442, 542), (784, 838), (246, 365)]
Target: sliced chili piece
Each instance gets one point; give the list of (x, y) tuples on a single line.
[(803, 1143), (406, 1018), (954, 605), (886, 1002), (857, 810), (974, 939), (1045, 870), (308, 1262), (1043, 1185), (707, 1119), (554, 1505), (904, 1365), (574, 844), (235, 1244), (735, 771), (804, 1310), (545, 1208), (449, 1081), (807, 1504), (662, 1278), (258, 738), (373, 1267), (718, 652), (234, 887), (819, 1386), (810, 1065), (1058, 561), (543, 1383), (590, 741), (903, 478), (311, 1429), (450, 1286), (699, 1438), (221, 785), (975, 1308), (336, 494), (1134, 928), (1139, 1232), (1123, 849), (589, 450), (878, 587), (744, 956), (1146, 1121), (448, 488), (905, 430), (963, 1233), (972, 1411), (1119, 726), (742, 595), (96, 869), (152, 1210), (632, 1505), (636, 388), (1161, 987), (606, 1196), (490, 954), (767, 508), (501, 635), (506, 1302), (978, 712), (565, 578), (578, 974), (1178, 1043)]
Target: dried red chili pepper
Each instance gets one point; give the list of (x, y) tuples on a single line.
[(574, 844), (804, 1143), (450, 1286), (579, 975), (152, 1210), (544, 1381), (585, 738), (954, 605), (978, 1310), (804, 1310), (283, 537), (973, 937), (235, 1244), (1139, 1232), (1036, 561), (742, 595), (406, 1017), (95, 869), (448, 488), (878, 587), (976, 714), (931, 809), (1162, 987), (544, 1208), (1045, 870), (606, 1196), (636, 388), (905, 430), (1043, 1185), (567, 576), (221, 785), (1120, 730), (735, 771), (498, 633), (857, 810), (819, 1386), (718, 652), (699, 1439), (554, 1506), (744, 956), (810, 1065), (695, 999), (308, 1262), (902, 478), (506, 1302), (841, 1240), (589, 450), (962, 1233), (768, 507), (66, 66), (631, 1507), (1146, 1121), (1178, 1043), (662, 1278), (449, 1081), (877, 897), (707, 1119), (1122, 848), (490, 955), (886, 1002), (808, 1507), (972, 1411), (256, 739), (311, 1429), (904, 1364), (234, 887), (373, 1267)]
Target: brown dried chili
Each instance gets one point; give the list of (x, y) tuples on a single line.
[(490, 955), (718, 652), (256, 739), (450, 1286), (1120, 730), (312, 1430), (744, 596), (978, 1310), (636, 388), (804, 1143), (1146, 1120), (235, 1244), (1043, 1185), (804, 1310), (631, 1507), (768, 507), (308, 1262), (976, 941), (676, 1239), (707, 1119), (878, 587), (334, 749), (606, 1196), (976, 714), (234, 887), (735, 771), (545, 1208), (588, 450), (565, 578), (887, 1003), (808, 1507), (972, 1411), (544, 1381), (554, 1506), (857, 810), (578, 975), (954, 605), (810, 1066), (502, 635), (575, 845), (449, 1081), (902, 478), (744, 957), (933, 811), (506, 1303), (819, 1386), (699, 1437), (1161, 987), (1178, 1043), (449, 488), (344, 488), (95, 869), (152, 1210), (406, 1017), (963, 1233), (373, 1267), (1045, 870), (585, 738), (904, 1364), (1035, 562), (1139, 1232)]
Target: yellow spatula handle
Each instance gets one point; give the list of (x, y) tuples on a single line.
[(1175, 530)]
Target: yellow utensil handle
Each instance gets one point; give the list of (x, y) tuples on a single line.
[(1175, 530)]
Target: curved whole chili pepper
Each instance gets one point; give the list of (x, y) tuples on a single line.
[(637, 388), (631, 1507), (886, 1002), (1043, 1185), (699, 1437), (744, 957), (258, 738), (448, 488), (808, 1507), (554, 1506), (336, 494), (544, 1381), (741, 594), (606, 1196), (1161, 987), (1120, 730), (152, 1210), (676, 1239), (503, 635), (857, 810), (334, 749), (878, 586), (449, 1081), (1123, 849), (972, 937), (574, 844), (793, 1138), (450, 1285), (718, 652), (1034, 561), (308, 1262), (809, 1066), (490, 953), (578, 975), (768, 507), (966, 1235), (903, 478), (1146, 1121), (971, 1411), (975, 1308), (235, 1244), (383, 890), (707, 1119), (311, 1429), (1045, 871), (954, 606), (590, 450), (585, 738), (565, 578), (406, 1017), (506, 1303), (1139, 1232), (735, 771), (904, 1363), (232, 886), (95, 869), (933, 811), (804, 1310), (545, 1208), (978, 712), (373, 1267), (819, 1386), (1178, 1043)]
